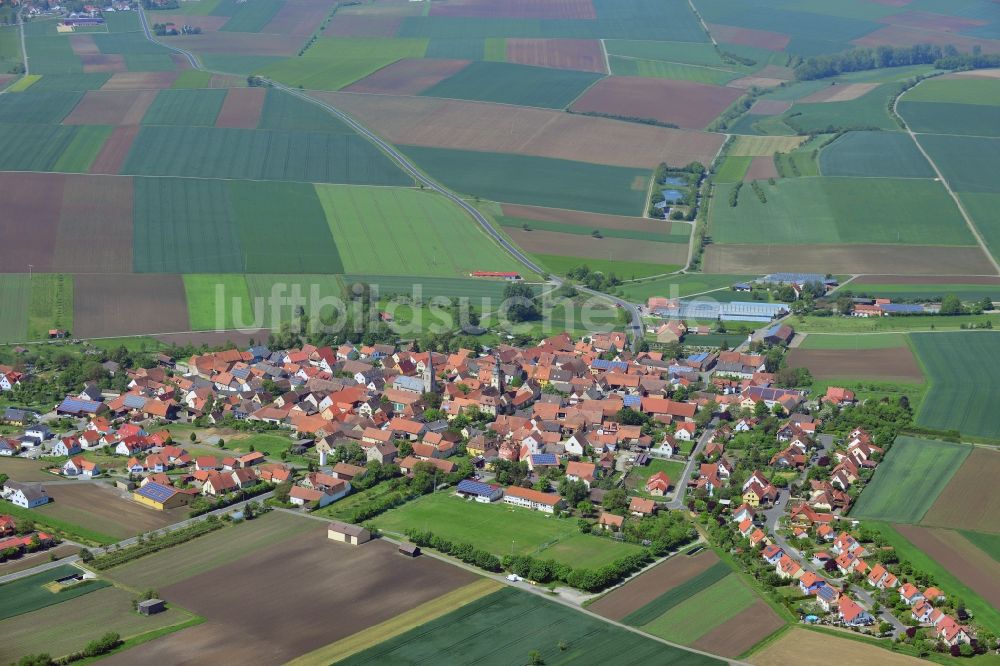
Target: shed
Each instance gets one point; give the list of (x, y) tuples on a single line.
[(409, 549), (347, 533), (151, 606)]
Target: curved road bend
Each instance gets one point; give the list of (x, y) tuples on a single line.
[(635, 327)]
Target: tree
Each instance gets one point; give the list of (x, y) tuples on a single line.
[(193, 437), (535, 658), (615, 501), (760, 410), (520, 303), (573, 492), (951, 305)]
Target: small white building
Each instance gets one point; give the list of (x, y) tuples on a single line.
[(346, 533), (25, 495), (532, 499)]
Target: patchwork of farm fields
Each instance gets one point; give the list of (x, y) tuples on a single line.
[(963, 376)]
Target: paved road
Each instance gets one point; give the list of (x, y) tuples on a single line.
[(681, 488), (636, 326)]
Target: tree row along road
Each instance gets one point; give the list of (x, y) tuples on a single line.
[(636, 327)]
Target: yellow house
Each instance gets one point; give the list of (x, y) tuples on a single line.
[(159, 496), (751, 497)]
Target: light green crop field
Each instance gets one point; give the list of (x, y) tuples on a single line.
[(319, 292), (964, 369), (204, 305), (519, 624), (657, 232), (966, 292), (51, 304), (849, 341), (874, 154), (957, 91), (808, 323), (400, 231), (185, 107), (247, 16), (510, 83), (659, 69), (192, 78), (698, 615), (624, 270), (38, 106), (868, 111), (331, 64), (83, 149), (909, 479), (840, 210), (501, 529), (692, 53), (389, 285), (15, 299), (678, 595), (539, 181), (733, 169), (969, 163), (982, 207), (949, 118), (28, 594)]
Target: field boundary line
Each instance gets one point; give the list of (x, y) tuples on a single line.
[(607, 61), (675, 62), (947, 185)]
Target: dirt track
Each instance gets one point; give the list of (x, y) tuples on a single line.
[(289, 599), (653, 583)]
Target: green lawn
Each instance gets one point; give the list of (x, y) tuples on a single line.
[(203, 305), (625, 270), (508, 625), (847, 341), (672, 468), (907, 482), (679, 595), (957, 91), (966, 292), (28, 594), (839, 210), (51, 304), (407, 232), (502, 529), (703, 612), (986, 614), (963, 371)]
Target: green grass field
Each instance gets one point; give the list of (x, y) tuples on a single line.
[(966, 292), (502, 529), (907, 482), (71, 82), (213, 152), (964, 378), (986, 613), (389, 285), (840, 210), (15, 300), (185, 107), (733, 169), (38, 106), (949, 118), (192, 79), (659, 232), (51, 304), (407, 232), (247, 16), (331, 64), (691, 53), (957, 91), (847, 341), (625, 270), (672, 468), (679, 595), (510, 83), (687, 285), (967, 162), (866, 112), (539, 181), (50, 54), (811, 324), (83, 149), (29, 593), (508, 625), (317, 290), (659, 69), (701, 613), (24, 83), (204, 306), (283, 111), (874, 154)]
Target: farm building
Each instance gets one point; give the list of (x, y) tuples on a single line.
[(481, 492), (151, 606), (159, 496), (501, 275), (354, 535), (532, 499), (77, 407), (409, 549), (779, 334), (798, 279), (735, 311), (25, 495)]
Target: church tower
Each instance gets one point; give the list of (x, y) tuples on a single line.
[(496, 377), (430, 383)]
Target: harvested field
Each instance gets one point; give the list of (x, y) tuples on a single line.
[(94, 64), (931, 21), (748, 82), (28, 228), (215, 338), (410, 76), (23, 469), (901, 259), (741, 632), (298, 18), (812, 648), (240, 43), (499, 128), (357, 25), (588, 220), (761, 168), (98, 507), (516, 9), (140, 80), (111, 107), (241, 108), (963, 505), (964, 560), (296, 618), (931, 279), (761, 39), (840, 93), (898, 35), (83, 45), (758, 146), (684, 103), (115, 305), (583, 54), (612, 249), (769, 107), (878, 364), (115, 150), (226, 81), (95, 225), (649, 585)]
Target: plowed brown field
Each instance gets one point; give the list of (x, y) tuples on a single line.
[(409, 76), (241, 108), (582, 54), (963, 504), (761, 168), (140, 80), (95, 226), (899, 259), (111, 107), (962, 559), (425, 121), (683, 103), (30, 220), (651, 584), (298, 18), (897, 35), (803, 647), (97, 64), (113, 305), (879, 364), (741, 632), (115, 150), (762, 39)]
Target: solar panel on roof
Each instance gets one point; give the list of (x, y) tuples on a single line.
[(632, 400), (475, 487), (156, 491), (544, 459), (135, 401)]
